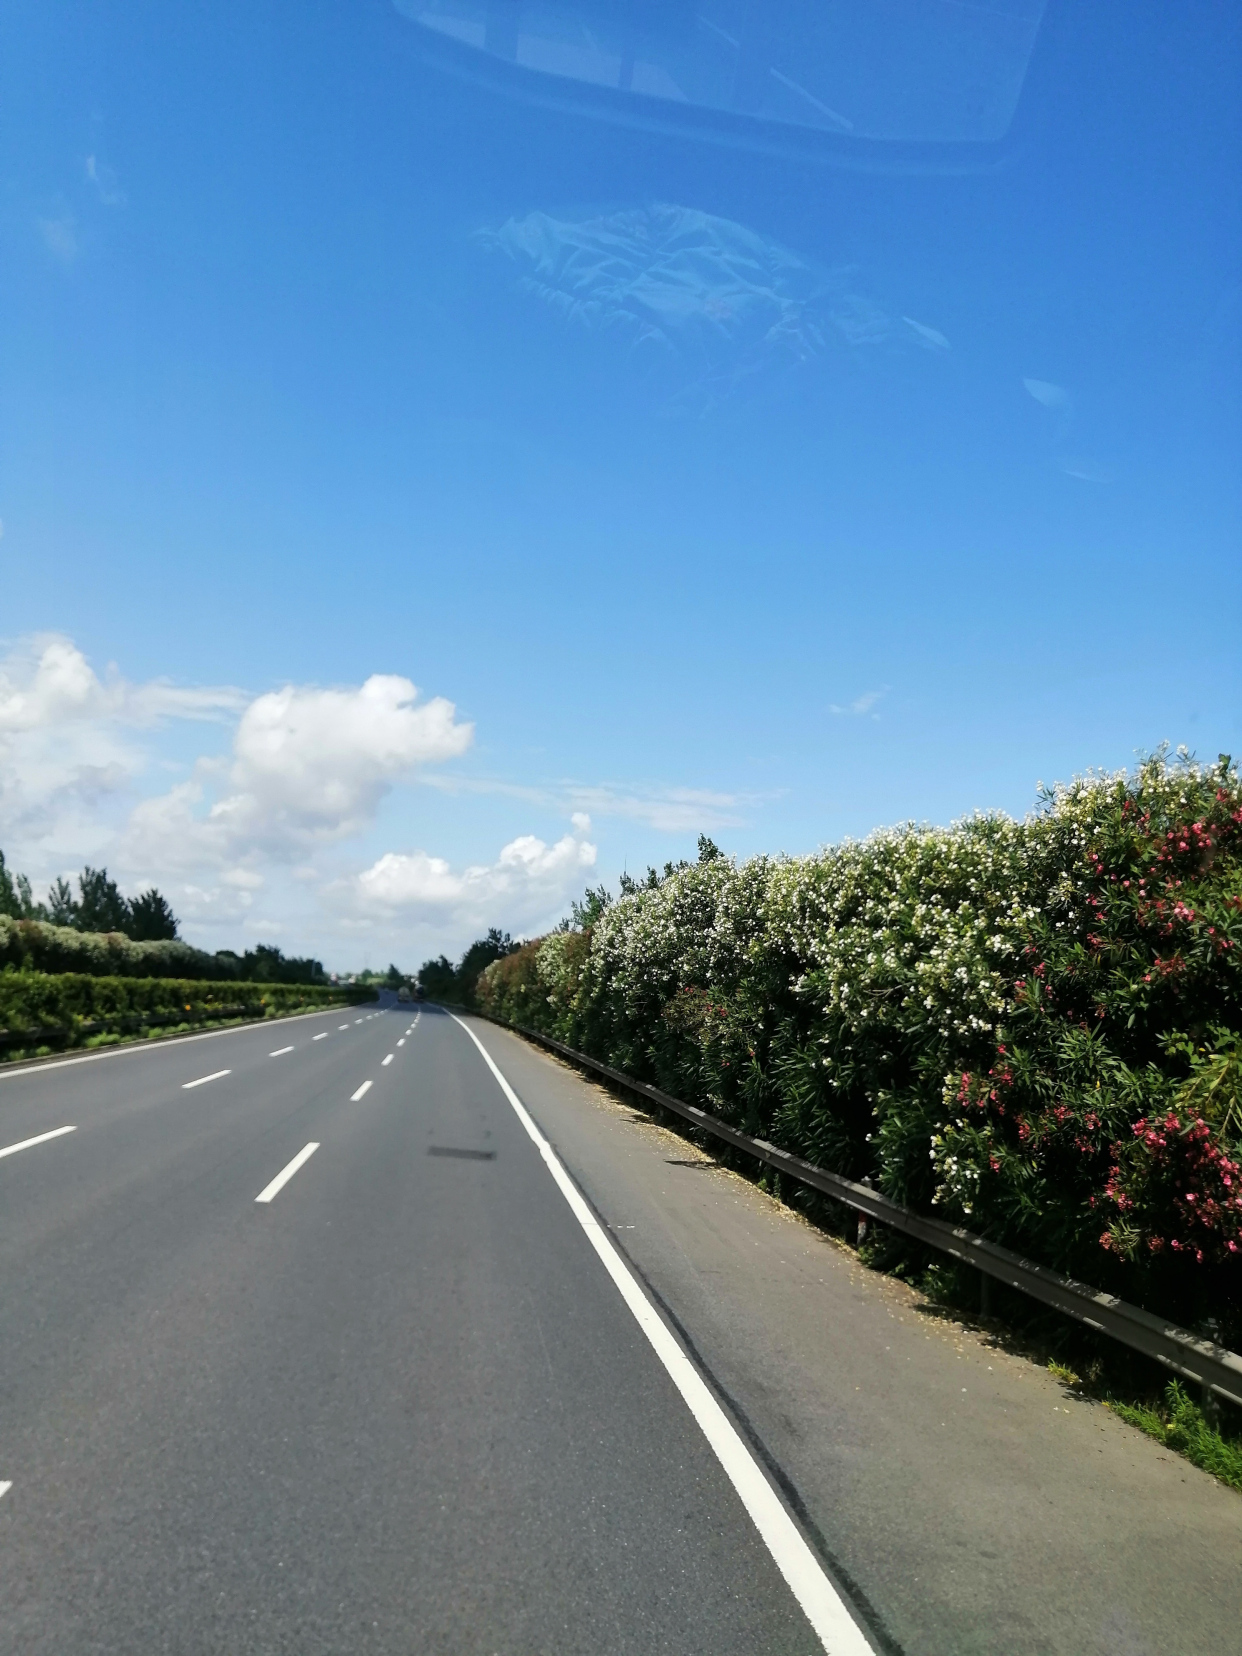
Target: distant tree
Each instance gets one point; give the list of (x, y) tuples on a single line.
[(30, 909), (438, 979), (708, 849), (595, 899), (62, 905), (16, 898), (101, 908), (151, 918), (9, 902), (495, 946), (266, 964), (393, 979)]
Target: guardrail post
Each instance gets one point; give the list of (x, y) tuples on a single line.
[(1196, 1357), (862, 1223)]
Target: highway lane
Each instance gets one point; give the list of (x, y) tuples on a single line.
[(399, 1407)]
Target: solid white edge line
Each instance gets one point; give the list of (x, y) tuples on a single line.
[(286, 1173), (280, 1052), (322, 1036), (203, 1079), (39, 1138), (362, 1090), (821, 1603)]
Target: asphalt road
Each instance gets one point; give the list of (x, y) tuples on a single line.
[(425, 1397), (398, 1407)]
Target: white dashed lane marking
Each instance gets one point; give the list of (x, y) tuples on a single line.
[(28, 1144), (286, 1173)]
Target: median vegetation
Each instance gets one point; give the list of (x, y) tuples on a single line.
[(1031, 1028), (106, 934), (100, 967), (42, 1012)]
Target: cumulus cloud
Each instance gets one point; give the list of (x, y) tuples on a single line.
[(529, 882), (249, 835), (309, 767), (46, 681), (313, 764), (69, 740)]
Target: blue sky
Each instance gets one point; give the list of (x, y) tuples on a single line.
[(715, 488)]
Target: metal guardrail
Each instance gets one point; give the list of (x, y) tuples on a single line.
[(1190, 1355)]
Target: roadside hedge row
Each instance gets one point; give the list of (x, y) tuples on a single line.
[(43, 1008), (1032, 1028), (35, 946)]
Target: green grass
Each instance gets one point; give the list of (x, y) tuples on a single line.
[(1179, 1423)]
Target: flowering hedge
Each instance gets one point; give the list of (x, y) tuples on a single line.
[(1029, 1027)]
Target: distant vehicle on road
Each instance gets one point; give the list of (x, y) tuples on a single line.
[(403, 994)]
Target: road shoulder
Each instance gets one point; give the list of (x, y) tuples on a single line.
[(976, 1505)]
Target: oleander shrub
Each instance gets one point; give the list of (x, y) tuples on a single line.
[(1029, 1027)]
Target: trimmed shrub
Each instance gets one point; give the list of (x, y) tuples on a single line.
[(62, 1008), (35, 946)]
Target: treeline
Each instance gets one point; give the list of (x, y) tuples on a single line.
[(441, 980), (103, 933), (1033, 1028), (100, 906)]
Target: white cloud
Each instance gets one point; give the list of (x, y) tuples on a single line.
[(60, 236), (313, 764), (1086, 471), (670, 810), (46, 681), (69, 746), (308, 766), (104, 178), (932, 338), (244, 837), (861, 705), (1044, 391), (529, 884)]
